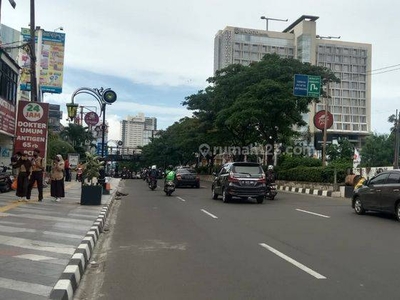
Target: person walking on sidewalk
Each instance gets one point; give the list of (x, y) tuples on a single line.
[(57, 190), (67, 170), (36, 176), (21, 162)]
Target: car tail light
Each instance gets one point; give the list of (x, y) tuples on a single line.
[(262, 179), (232, 178)]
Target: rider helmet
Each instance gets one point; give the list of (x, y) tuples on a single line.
[(270, 167)]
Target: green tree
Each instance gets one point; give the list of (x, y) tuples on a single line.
[(57, 146), (343, 151), (78, 136), (255, 104), (377, 151)]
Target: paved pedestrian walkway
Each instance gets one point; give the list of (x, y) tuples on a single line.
[(45, 246)]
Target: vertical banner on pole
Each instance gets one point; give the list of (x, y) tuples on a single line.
[(31, 129)]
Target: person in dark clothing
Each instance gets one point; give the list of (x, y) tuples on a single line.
[(67, 169), (37, 175), (21, 162), (270, 175)]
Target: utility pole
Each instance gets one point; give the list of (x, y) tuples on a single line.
[(396, 143), (32, 48), (325, 127)]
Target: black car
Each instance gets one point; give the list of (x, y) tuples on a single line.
[(186, 177), (380, 193), (240, 179)]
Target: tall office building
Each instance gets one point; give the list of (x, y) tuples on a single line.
[(137, 131), (350, 102)]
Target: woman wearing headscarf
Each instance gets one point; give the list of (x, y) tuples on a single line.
[(21, 162), (57, 179)]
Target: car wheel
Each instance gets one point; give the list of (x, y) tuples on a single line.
[(225, 196), (398, 211), (358, 207), (213, 194), (260, 199)]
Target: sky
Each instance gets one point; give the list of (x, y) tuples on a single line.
[(155, 53)]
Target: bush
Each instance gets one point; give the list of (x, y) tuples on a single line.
[(314, 174), (289, 162)]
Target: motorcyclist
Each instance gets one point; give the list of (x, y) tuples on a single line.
[(270, 175), (169, 174), (153, 174)]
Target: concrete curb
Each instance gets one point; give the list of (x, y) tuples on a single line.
[(69, 280), (324, 193)]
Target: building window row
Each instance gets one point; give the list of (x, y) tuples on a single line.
[(333, 49)]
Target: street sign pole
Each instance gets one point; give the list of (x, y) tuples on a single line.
[(325, 127)]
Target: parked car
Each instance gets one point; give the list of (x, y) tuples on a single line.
[(380, 193), (186, 177), (240, 179)]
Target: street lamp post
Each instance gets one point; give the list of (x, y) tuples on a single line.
[(104, 97), (272, 19)]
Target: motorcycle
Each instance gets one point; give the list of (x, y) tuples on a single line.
[(6, 180), (169, 187), (152, 183), (271, 191)]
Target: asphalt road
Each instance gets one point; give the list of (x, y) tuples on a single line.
[(189, 246)]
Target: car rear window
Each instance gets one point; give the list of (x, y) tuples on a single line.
[(186, 171), (252, 170)]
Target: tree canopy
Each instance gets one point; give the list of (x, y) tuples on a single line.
[(254, 104)]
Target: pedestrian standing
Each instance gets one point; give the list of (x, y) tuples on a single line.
[(57, 190), (21, 162), (36, 176), (67, 170)]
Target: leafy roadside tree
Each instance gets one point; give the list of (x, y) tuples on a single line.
[(58, 146), (378, 151), (343, 151), (78, 136), (255, 104)]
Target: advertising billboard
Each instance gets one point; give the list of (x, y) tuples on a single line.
[(7, 117), (31, 132), (51, 60)]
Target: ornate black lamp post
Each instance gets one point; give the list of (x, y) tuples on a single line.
[(104, 97)]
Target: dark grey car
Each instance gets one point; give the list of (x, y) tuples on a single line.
[(380, 193), (239, 179)]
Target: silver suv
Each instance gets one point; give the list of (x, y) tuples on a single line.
[(240, 179)]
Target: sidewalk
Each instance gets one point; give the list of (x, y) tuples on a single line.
[(45, 246)]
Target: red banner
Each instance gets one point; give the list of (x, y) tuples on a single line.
[(32, 129), (7, 117)]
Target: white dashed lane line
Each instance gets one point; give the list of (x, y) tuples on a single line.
[(181, 199), (312, 213), (293, 262), (210, 214)]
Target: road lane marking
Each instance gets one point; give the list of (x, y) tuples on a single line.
[(210, 214), (181, 199), (293, 262), (312, 213)]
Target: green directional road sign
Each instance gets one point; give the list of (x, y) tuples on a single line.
[(307, 85), (314, 86)]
